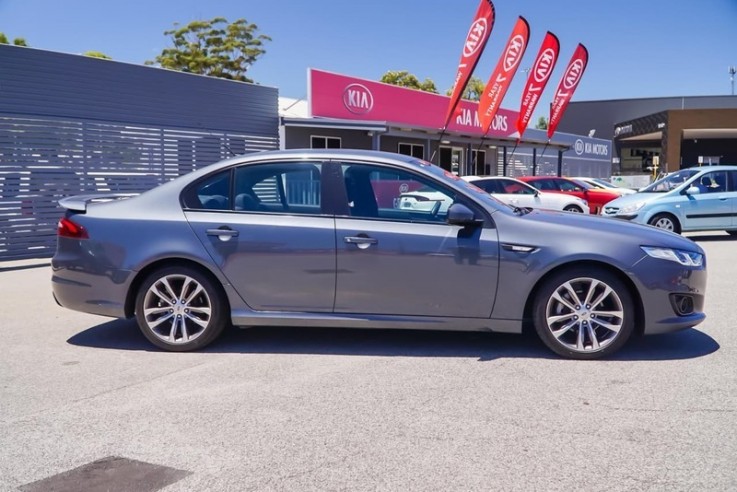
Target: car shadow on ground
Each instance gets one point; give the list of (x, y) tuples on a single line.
[(124, 335), (710, 238)]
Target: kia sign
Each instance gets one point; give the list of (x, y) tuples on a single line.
[(515, 50), (544, 66), (578, 147), (573, 75), (475, 37), (358, 99)]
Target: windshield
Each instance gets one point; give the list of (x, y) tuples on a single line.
[(670, 182), (603, 183)]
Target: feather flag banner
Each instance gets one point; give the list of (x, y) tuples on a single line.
[(502, 76), (567, 86), (538, 78), (473, 46)]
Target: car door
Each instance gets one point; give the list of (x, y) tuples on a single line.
[(712, 207), (395, 261), (264, 227)]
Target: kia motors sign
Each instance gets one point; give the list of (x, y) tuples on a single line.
[(339, 96)]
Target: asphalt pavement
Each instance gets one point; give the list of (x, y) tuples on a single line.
[(325, 409)]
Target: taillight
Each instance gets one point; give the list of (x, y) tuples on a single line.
[(67, 228)]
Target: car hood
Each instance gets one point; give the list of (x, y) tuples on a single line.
[(625, 200), (601, 233)]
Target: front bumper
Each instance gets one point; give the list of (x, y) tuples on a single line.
[(661, 283)]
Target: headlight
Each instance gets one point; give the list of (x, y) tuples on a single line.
[(685, 258), (631, 208)]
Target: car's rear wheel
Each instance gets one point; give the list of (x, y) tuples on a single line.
[(667, 222), (584, 313), (179, 309), (573, 208)]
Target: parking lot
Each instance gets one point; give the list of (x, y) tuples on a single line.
[(324, 409)]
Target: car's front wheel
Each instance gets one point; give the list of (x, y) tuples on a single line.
[(573, 208), (584, 313), (179, 308), (665, 221)]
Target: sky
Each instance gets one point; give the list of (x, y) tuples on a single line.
[(637, 48)]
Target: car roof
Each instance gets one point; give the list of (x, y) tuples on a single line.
[(307, 154), (476, 178), (723, 167)]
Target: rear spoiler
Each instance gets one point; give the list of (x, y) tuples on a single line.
[(79, 202)]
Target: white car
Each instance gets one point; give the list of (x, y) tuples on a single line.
[(425, 199), (605, 185), (518, 194)]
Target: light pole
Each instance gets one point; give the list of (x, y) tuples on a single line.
[(732, 70)]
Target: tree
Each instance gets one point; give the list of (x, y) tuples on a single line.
[(405, 79), (473, 90), (16, 41), (542, 123), (97, 54), (215, 48)]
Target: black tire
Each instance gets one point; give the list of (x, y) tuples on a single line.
[(573, 208), (187, 315), (665, 221), (586, 332)]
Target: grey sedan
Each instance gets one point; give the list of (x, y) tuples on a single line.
[(317, 238)]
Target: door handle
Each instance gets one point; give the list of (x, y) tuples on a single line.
[(360, 240), (224, 233)]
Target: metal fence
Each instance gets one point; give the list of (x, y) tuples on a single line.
[(53, 144)]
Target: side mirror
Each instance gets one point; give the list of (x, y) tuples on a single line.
[(459, 214), (693, 190)]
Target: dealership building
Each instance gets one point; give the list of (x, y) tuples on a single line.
[(347, 112), (660, 134)]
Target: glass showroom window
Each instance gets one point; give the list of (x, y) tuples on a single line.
[(317, 142), (415, 150)]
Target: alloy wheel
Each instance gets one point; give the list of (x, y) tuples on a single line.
[(177, 309), (584, 315)]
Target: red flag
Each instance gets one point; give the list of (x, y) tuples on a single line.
[(474, 45), (502, 76), (538, 79), (566, 86)]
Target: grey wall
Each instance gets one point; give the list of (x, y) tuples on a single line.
[(72, 124)]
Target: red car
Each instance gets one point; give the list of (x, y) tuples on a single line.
[(594, 196)]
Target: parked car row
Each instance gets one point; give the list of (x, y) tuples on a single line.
[(693, 199)]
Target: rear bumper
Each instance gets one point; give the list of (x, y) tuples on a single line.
[(102, 293)]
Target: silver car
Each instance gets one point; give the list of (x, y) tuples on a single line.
[(318, 238)]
